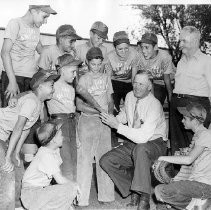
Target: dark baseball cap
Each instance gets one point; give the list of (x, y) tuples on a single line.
[(100, 29), (43, 76), (148, 38), (94, 52), (120, 37), (45, 8), (67, 30), (48, 130), (67, 60), (194, 110)]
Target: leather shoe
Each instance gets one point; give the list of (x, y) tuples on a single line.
[(135, 198)]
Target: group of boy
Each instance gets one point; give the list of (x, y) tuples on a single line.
[(61, 145)]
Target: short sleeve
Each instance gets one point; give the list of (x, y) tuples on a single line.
[(27, 108), (44, 60), (49, 165), (204, 139), (12, 30)]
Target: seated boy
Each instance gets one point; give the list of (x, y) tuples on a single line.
[(37, 193), (198, 185)]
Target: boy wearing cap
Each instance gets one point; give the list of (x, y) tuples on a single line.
[(15, 124), (37, 193), (94, 136), (65, 43), (198, 185), (119, 66), (21, 40), (98, 34), (158, 63), (62, 106)]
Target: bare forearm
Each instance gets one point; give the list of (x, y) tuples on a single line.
[(185, 160), (7, 62), (88, 97), (16, 134), (21, 140), (167, 81)]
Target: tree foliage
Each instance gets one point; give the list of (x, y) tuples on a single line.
[(167, 21)]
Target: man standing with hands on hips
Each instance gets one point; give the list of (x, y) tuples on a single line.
[(146, 134)]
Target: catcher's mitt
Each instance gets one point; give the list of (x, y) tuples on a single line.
[(163, 171)]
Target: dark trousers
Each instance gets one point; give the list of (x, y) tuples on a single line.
[(180, 193), (68, 151), (129, 165), (179, 136), (160, 92), (120, 91), (23, 84)]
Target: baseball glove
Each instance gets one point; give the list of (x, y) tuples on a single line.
[(163, 171)]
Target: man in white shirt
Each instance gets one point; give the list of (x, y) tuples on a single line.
[(146, 133), (192, 84)]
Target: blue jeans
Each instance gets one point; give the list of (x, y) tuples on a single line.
[(179, 193), (95, 139)]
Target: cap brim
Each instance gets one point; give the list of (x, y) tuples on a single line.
[(147, 41), (75, 36), (49, 11), (52, 77), (183, 111), (99, 33)]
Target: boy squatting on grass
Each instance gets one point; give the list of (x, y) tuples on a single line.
[(15, 124), (37, 193), (94, 136), (198, 184)]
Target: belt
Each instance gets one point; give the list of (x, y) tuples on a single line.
[(63, 116), (188, 96)]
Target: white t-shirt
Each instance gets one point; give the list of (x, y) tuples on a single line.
[(25, 39), (63, 100), (45, 164), (28, 106), (99, 87)]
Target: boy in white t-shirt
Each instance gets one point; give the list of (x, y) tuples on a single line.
[(62, 106), (15, 124), (198, 183), (37, 193), (94, 136)]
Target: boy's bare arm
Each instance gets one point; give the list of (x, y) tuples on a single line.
[(20, 143), (60, 179), (12, 88), (83, 107), (88, 97), (16, 134)]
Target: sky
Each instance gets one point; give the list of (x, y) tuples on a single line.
[(116, 14)]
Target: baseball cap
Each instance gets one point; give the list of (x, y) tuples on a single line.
[(45, 8), (67, 30), (47, 131), (120, 37), (67, 60), (100, 29), (43, 76), (148, 38), (94, 52), (194, 110)]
